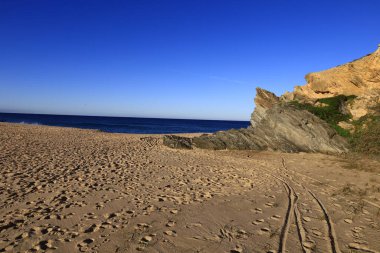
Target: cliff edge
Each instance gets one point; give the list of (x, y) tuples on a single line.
[(308, 118), (360, 78), (274, 126)]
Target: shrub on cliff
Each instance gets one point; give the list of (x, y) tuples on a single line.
[(331, 111), (366, 138)]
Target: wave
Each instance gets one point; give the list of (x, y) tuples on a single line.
[(29, 123)]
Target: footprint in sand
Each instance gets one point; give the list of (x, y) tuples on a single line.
[(357, 246), (348, 221), (170, 224), (307, 219), (92, 228), (84, 245), (148, 238), (269, 204), (316, 232), (276, 217), (309, 244), (48, 244), (263, 231), (142, 226), (237, 249), (356, 233), (90, 216), (170, 233), (258, 221)]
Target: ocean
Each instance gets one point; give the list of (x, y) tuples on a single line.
[(125, 124)]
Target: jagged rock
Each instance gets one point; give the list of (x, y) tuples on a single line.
[(277, 127), (284, 128), (264, 100), (289, 129)]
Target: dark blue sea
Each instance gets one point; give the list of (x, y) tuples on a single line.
[(125, 125)]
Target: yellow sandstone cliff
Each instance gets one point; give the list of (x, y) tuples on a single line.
[(360, 77)]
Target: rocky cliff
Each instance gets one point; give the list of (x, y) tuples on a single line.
[(274, 126), (360, 77), (307, 118)]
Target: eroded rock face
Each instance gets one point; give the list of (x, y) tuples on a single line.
[(360, 78), (362, 106), (274, 126), (264, 100), (289, 129)]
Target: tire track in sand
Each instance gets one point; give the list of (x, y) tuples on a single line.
[(288, 217), (291, 211), (332, 238), (304, 235)]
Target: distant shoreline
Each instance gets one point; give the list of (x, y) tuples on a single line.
[(127, 117), (5, 124), (125, 125)]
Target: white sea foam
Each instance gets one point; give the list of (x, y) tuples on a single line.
[(29, 123)]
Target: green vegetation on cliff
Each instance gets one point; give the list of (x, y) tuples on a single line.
[(365, 138), (330, 110)]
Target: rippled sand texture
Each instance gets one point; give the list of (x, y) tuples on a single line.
[(71, 190)]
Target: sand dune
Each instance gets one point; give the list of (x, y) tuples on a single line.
[(71, 190)]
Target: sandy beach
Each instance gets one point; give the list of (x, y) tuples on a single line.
[(72, 190)]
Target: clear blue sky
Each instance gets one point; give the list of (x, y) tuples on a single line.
[(171, 58)]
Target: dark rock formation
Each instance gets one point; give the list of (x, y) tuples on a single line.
[(274, 126), (264, 100), (178, 142)]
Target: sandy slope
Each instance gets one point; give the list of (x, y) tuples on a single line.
[(70, 190)]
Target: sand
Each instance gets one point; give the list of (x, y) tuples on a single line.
[(72, 190)]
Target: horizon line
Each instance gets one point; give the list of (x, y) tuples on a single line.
[(103, 116)]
